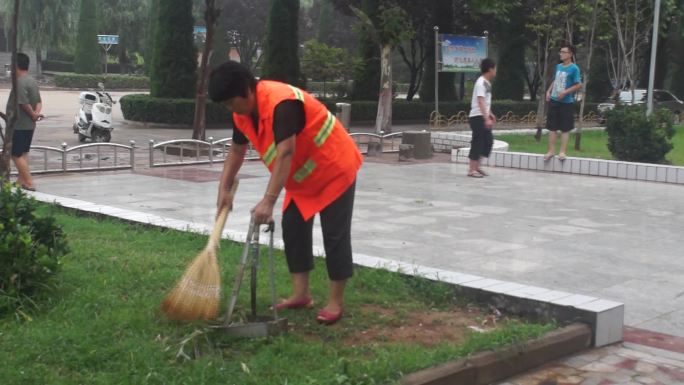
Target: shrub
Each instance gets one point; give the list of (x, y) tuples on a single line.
[(87, 57), (30, 248), (58, 66), (145, 108), (634, 137), (113, 81)]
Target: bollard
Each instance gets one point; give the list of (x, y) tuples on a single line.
[(151, 153), (344, 114), (64, 157), (211, 150), (133, 155)]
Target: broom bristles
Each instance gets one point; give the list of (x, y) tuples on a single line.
[(197, 294)]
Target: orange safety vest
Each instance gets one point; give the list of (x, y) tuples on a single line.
[(326, 159)]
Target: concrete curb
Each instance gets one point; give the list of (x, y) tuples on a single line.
[(581, 166), (488, 367)]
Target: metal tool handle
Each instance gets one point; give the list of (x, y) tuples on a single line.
[(271, 230), (240, 272)]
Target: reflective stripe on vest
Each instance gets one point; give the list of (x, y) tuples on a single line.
[(298, 93), (304, 171), (270, 154), (325, 130)]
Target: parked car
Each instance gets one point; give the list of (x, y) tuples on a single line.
[(661, 99)]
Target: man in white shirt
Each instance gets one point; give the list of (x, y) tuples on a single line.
[(481, 119)]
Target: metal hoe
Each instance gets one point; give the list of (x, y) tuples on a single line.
[(256, 326)]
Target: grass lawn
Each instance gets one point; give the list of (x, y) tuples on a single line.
[(594, 145), (100, 324)]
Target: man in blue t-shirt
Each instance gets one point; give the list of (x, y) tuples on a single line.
[(561, 95)]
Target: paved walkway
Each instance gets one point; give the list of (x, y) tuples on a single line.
[(621, 364), (607, 238)]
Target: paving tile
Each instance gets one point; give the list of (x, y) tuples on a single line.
[(643, 367), (599, 367)]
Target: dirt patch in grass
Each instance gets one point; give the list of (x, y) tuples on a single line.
[(424, 328)]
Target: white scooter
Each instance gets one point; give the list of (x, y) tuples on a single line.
[(94, 118)]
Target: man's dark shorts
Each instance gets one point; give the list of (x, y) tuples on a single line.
[(21, 142), (561, 117), (482, 139)]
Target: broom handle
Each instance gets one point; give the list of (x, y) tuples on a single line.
[(221, 220)]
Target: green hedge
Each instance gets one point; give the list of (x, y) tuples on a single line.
[(145, 108), (58, 66), (111, 81)]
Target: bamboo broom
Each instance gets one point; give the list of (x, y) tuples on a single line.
[(197, 294)]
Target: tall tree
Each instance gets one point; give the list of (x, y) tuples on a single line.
[(393, 28), (43, 24), (325, 22), (414, 53), (174, 66), (152, 17), (129, 20), (211, 14), (367, 73), (87, 58), (587, 72), (443, 17), (241, 27), (548, 21), (281, 56), (510, 77)]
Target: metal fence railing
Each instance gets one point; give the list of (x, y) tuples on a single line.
[(192, 151), (388, 143), (86, 157)]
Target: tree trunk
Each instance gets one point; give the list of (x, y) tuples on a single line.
[(39, 61), (7, 139), (383, 121), (541, 106), (578, 133), (198, 127)]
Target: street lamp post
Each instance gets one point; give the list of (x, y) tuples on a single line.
[(436, 29), (654, 47)]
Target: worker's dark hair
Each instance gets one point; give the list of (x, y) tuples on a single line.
[(23, 61), (229, 80), (486, 65)]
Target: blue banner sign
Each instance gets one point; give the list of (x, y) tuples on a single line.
[(462, 53), (108, 39)]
